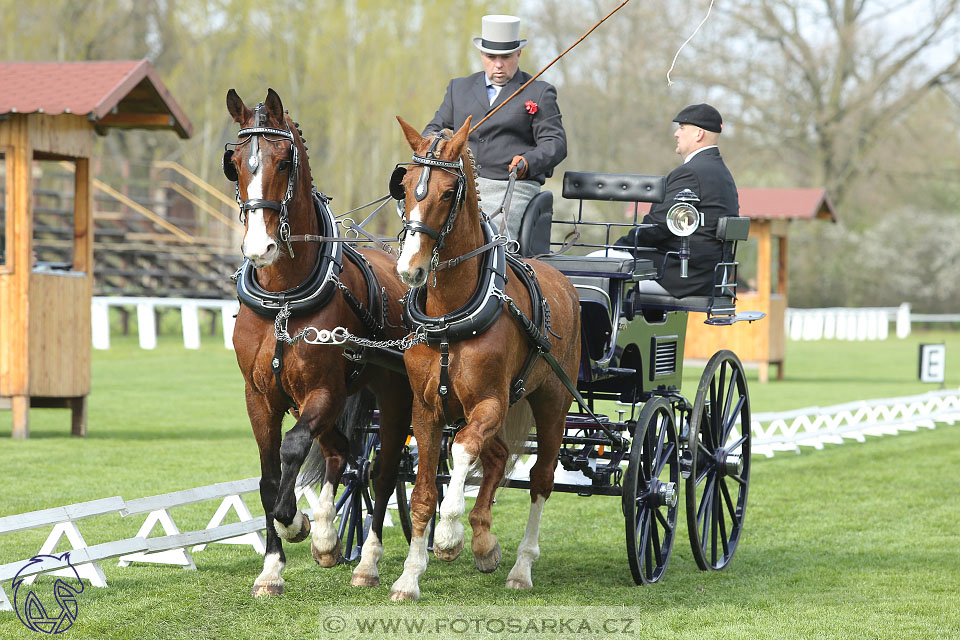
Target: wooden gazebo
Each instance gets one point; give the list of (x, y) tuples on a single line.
[(763, 342), (53, 111)]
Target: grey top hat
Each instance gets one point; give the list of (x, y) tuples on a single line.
[(499, 35)]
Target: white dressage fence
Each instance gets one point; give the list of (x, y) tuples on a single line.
[(146, 318), (169, 548), (864, 323), (818, 426), (829, 323)]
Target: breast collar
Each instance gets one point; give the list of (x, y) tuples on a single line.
[(311, 294), (477, 315)]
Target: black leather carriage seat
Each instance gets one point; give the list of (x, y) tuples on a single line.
[(722, 303), (535, 225), (620, 187)]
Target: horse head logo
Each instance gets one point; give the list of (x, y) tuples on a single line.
[(39, 613)]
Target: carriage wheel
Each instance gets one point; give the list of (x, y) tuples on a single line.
[(716, 462), (405, 483), (355, 504), (650, 491)]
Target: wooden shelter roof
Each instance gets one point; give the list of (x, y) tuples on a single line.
[(786, 204), (123, 94)]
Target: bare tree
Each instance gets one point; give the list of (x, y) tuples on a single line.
[(827, 79)]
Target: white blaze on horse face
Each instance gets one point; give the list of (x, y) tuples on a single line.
[(258, 246), (407, 264)]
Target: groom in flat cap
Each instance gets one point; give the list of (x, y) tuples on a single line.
[(527, 133), (704, 173)]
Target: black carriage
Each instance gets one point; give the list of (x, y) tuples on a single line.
[(635, 435)]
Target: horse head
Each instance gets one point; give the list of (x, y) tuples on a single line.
[(437, 185), (269, 164)]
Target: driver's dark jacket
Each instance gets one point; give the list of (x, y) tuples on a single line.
[(512, 131), (708, 177)]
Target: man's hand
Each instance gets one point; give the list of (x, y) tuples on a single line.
[(521, 164)]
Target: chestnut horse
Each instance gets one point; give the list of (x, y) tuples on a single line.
[(442, 221), (270, 165)]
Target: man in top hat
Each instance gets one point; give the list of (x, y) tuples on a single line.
[(704, 173), (527, 133)]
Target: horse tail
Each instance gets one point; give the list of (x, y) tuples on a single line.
[(355, 417), (515, 432)]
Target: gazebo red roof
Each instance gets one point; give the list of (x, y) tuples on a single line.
[(786, 204), (124, 94)]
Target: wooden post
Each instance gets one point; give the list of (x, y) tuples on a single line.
[(21, 416)]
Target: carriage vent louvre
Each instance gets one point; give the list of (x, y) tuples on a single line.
[(664, 358)]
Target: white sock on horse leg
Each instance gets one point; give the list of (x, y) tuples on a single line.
[(408, 584), (529, 550), (449, 531), (325, 536)]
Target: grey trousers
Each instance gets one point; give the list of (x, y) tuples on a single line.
[(491, 197)]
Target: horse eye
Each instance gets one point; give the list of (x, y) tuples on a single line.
[(448, 194), (284, 165)]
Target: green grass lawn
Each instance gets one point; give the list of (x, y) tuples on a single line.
[(855, 541)]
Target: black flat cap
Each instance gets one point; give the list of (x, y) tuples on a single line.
[(701, 115)]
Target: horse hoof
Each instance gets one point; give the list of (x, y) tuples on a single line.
[(282, 530), (261, 590), (488, 562), (515, 583), (448, 555), (328, 559), (398, 596), (363, 580)]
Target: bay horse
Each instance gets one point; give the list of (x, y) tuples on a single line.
[(322, 285), (487, 362)]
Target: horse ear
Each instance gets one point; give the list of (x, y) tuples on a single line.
[(414, 139), (459, 140), (274, 105), (236, 108)]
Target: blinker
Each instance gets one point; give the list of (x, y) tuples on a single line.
[(230, 169), (397, 190)]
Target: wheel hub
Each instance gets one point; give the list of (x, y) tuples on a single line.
[(667, 494), (731, 464)]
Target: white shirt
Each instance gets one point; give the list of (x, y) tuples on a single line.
[(693, 153)]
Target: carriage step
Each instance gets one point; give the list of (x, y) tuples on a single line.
[(612, 372)]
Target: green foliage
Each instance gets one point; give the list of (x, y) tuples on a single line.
[(849, 542)]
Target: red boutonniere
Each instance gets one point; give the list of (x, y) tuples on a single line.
[(531, 106)]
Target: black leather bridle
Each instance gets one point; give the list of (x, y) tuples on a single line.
[(397, 190), (252, 135)]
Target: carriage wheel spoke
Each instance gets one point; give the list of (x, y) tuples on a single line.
[(705, 502), (739, 479), (714, 521), (732, 419), (730, 389), (739, 443), (729, 501), (718, 408), (664, 522), (724, 540), (664, 458), (655, 534)]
